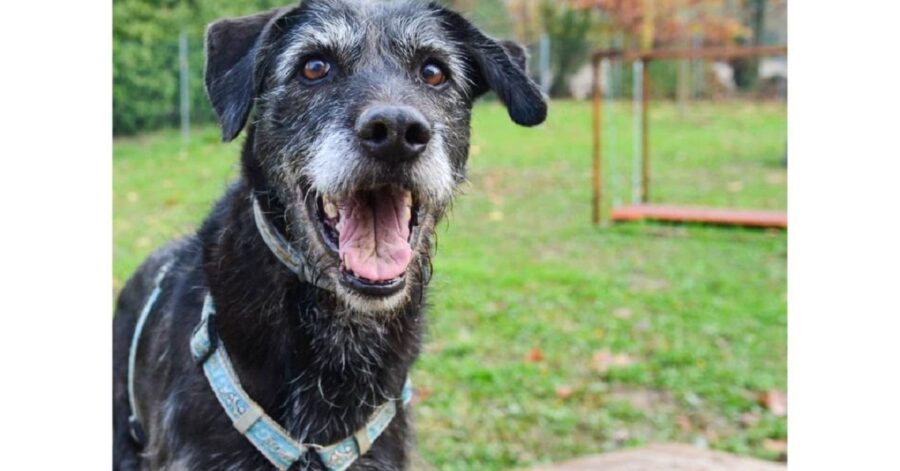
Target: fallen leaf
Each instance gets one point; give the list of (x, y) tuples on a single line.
[(536, 355), (775, 401), (604, 360), (623, 359), (622, 313), (422, 393), (735, 187), (495, 216), (132, 197), (776, 178), (749, 419), (775, 446), (564, 392)]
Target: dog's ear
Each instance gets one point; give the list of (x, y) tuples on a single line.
[(233, 66), (499, 66), (517, 53)]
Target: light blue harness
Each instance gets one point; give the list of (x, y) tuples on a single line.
[(272, 440), (263, 432), (134, 420)]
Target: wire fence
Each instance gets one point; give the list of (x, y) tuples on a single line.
[(156, 84)]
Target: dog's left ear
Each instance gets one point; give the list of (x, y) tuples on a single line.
[(499, 66), (234, 65)]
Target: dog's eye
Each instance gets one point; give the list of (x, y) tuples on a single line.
[(433, 74), (315, 69)]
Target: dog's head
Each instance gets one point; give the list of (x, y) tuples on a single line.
[(361, 126)]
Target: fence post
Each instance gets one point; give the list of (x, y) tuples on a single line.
[(546, 74), (184, 84), (645, 133), (597, 143), (637, 139)]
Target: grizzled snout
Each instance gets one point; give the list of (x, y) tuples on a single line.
[(393, 134)]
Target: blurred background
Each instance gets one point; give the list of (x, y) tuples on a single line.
[(158, 42), (550, 337)]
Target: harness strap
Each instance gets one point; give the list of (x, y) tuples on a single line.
[(283, 250), (134, 420), (266, 435)]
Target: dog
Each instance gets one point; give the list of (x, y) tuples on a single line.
[(309, 275)]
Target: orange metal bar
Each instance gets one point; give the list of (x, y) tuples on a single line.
[(645, 134), (597, 130), (701, 215)]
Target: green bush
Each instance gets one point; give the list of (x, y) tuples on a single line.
[(146, 92)]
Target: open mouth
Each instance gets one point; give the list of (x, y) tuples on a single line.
[(371, 232)]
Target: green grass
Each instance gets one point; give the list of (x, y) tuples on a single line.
[(700, 312)]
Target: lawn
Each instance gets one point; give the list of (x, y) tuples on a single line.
[(550, 338)]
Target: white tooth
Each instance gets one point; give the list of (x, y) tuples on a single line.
[(331, 209), (407, 213), (407, 198)]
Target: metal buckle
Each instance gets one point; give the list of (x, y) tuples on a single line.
[(136, 430), (212, 337)]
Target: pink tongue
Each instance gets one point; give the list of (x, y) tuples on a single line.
[(374, 234)]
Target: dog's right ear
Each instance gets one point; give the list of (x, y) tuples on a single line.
[(233, 66), (499, 66)]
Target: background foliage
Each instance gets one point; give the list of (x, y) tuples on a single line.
[(145, 42), (145, 58), (145, 53)]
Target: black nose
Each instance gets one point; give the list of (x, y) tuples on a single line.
[(393, 134)]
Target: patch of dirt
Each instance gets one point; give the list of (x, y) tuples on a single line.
[(605, 360), (649, 401), (646, 284), (666, 457)]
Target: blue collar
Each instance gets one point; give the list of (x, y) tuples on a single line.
[(273, 441), (293, 259)]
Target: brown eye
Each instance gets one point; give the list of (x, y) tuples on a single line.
[(433, 74), (315, 69)]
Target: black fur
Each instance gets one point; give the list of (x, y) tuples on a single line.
[(315, 364), (501, 68), (234, 65)]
